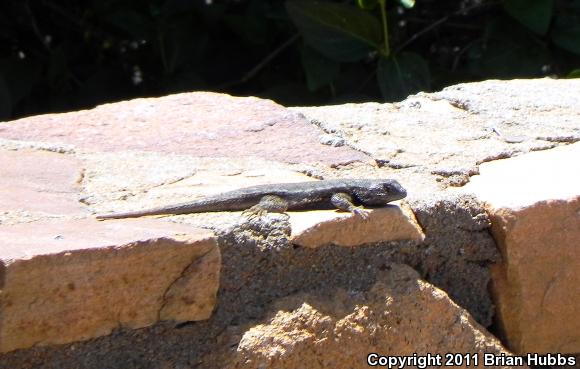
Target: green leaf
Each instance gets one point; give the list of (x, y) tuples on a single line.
[(367, 4), (574, 74), (341, 32), (320, 70), (401, 75), (566, 33), (508, 51), (534, 14), (407, 3)]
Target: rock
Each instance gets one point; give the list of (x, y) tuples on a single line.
[(56, 170), (400, 315), (443, 136), (202, 124), (73, 280), (39, 184), (318, 228), (458, 250), (534, 201)]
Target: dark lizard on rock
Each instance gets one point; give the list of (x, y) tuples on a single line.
[(343, 194)]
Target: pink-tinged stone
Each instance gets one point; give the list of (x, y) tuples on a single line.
[(202, 124), (40, 181), (73, 280), (317, 228), (534, 204)]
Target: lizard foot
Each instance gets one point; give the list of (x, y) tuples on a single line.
[(258, 214), (268, 203), (344, 201), (255, 212), (363, 213)]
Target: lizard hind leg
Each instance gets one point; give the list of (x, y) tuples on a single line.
[(343, 201), (267, 204)]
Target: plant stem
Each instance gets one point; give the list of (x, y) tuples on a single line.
[(443, 20), (383, 4)]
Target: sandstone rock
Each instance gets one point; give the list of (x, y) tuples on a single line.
[(202, 124), (73, 280), (37, 184), (534, 201), (318, 228), (400, 315), (148, 152), (443, 136), (458, 250), (161, 179)]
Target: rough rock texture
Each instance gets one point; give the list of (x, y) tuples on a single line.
[(149, 152), (457, 250), (260, 265), (399, 315), (318, 228), (508, 105), (69, 281), (534, 204), (462, 126)]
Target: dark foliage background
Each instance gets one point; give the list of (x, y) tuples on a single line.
[(60, 55)]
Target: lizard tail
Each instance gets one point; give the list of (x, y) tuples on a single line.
[(201, 206), (136, 214)]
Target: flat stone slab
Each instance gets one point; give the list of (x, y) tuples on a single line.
[(444, 136), (534, 204), (547, 105), (161, 179), (39, 183), (66, 281), (65, 277), (201, 124)]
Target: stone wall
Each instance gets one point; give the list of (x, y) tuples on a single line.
[(486, 242)]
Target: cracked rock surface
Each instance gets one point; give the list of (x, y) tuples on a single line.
[(463, 126), (65, 281), (175, 291)]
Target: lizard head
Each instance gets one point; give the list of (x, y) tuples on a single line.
[(380, 192)]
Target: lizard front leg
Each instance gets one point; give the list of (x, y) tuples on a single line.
[(268, 203), (343, 201)]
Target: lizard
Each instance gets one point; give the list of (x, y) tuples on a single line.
[(342, 194)]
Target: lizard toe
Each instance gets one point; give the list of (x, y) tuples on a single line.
[(255, 212), (363, 213)]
